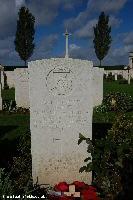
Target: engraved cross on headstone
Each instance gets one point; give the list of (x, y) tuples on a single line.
[(67, 34)]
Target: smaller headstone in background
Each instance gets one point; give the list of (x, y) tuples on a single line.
[(113, 73), (125, 74), (22, 87), (10, 78), (116, 75), (2, 76), (131, 60), (97, 89), (107, 73), (129, 78), (0, 98)]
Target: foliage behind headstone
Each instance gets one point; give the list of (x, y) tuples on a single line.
[(112, 160), (118, 101)]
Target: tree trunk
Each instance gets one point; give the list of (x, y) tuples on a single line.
[(100, 62)]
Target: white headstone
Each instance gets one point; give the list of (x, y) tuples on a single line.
[(107, 73), (97, 86), (10, 78), (116, 75), (125, 74), (22, 87), (131, 60), (61, 107), (2, 76)]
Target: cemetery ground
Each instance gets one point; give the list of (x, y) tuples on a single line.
[(15, 138)]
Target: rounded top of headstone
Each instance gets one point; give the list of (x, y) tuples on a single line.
[(61, 60)]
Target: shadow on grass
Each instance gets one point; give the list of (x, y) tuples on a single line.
[(8, 147), (6, 129), (100, 130)]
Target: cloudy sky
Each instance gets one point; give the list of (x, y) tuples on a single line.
[(52, 17)]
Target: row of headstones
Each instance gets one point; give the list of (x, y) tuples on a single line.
[(19, 78), (11, 76), (125, 74)]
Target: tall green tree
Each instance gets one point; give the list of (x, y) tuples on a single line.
[(25, 34), (102, 39)]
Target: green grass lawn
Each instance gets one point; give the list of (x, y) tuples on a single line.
[(15, 124), (116, 87), (8, 94)]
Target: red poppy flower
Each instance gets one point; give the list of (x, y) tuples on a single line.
[(62, 186), (89, 194), (78, 185), (92, 188)]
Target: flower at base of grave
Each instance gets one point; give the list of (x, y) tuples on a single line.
[(89, 193), (78, 184), (113, 102), (62, 186), (86, 192)]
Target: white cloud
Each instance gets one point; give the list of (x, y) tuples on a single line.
[(8, 15), (86, 31), (114, 22), (108, 5), (47, 43), (115, 56), (121, 51), (70, 5), (46, 11), (77, 22), (19, 2), (74, 46), (93, 6), (128, 39), (50, 41)]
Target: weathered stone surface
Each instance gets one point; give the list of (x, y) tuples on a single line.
[(61, 107)]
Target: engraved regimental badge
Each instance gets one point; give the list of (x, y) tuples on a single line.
[(60, 81)]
